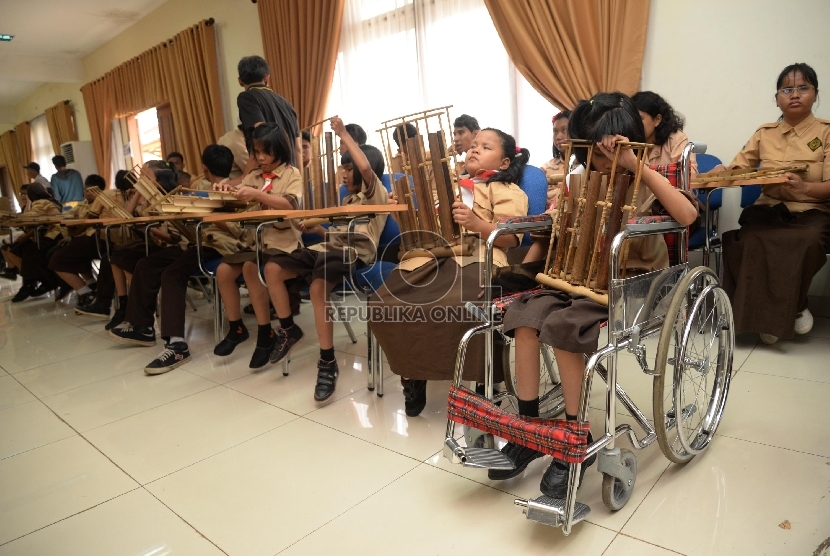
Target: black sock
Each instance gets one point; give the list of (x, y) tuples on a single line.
[(122, 302), (529, 408), (235, 329), (264, 335), (570, 417), (287, 322), (327, 354)]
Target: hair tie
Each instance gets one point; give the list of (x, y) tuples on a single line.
[(591, 102), (518, 150)]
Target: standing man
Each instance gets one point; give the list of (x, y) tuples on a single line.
[(68, 185), (33, 172), (258, 104)]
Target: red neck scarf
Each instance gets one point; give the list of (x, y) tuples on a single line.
[(469, 183)]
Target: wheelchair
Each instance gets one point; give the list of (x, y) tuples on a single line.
[(689, 313)]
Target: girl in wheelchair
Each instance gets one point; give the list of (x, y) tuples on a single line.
[(569, 323)]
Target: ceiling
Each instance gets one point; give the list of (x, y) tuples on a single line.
[(51, 37)]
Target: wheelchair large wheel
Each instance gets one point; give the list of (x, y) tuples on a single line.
[(550, 389), (693, 366)]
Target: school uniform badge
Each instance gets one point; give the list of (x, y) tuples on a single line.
[(814, 144)]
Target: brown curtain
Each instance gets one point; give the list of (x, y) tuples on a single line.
[(23, 135), (572, 49), (10, 158), (183, 72), (300, 39), (61, 124)]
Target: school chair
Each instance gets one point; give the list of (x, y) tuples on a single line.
[(706, 237)]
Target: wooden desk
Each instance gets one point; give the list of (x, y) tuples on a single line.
[(777, 180), (333, 213)]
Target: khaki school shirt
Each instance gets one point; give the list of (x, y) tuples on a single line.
[(288, 183), (235, 141), (671, 151), (99, 210), (366, 236), (491, 203), (780, 144), (45, 207)]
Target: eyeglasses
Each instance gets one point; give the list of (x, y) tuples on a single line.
[(787, 91)]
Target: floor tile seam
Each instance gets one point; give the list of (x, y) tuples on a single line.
[(288, 410), (27, 450), (361, 439), (82, 385), (219, 452), (185, 521), (621, 534), (773, 446), (355, 505), (663, 472), (70, 516), (786, 377), (5, 350), (148, 409), (66, 359)]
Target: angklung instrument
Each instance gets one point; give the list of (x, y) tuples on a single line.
[(427, 184), (584, 226)]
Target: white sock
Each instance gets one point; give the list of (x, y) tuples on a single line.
[(174, 339), (91, 281), (84, 290)]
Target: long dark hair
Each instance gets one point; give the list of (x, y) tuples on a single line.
[(518, 158), (38, 192), (166, 175), (605, 114), (653, 104)]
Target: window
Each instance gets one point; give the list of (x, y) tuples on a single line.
[(42, 151), (402, 56), (146, 136)]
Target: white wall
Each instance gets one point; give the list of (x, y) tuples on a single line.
[(716, 62)]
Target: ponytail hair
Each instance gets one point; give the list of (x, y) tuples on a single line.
[(518, 158), (165, 174)]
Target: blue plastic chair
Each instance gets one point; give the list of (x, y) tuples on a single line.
[(697, 240), (535, 185), (750, 194)]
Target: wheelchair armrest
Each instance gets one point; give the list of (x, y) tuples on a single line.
[(650, 225), (537, 222)]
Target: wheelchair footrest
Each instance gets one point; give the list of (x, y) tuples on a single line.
[(551, 511), (486, 458)]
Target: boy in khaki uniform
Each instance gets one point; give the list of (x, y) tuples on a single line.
[(275, 185), (324, 265)]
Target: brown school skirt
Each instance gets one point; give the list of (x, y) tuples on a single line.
[(418, 318), (312, 265), (563, 321), (768, 265), (127, 256)]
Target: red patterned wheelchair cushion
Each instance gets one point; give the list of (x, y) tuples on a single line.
[(564, 440)]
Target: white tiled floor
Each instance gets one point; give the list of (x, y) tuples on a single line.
[(98, 459)]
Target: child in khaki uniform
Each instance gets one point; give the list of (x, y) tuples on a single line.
[(324, 265), (275, 185), (570, 323)]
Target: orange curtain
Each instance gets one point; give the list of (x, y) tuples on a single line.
[(23, 135), (572, 49), (10, 158), (61, 124), (184, 72), (300, 39)]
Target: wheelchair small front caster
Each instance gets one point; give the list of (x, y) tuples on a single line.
[(618, 487), (478, 439)]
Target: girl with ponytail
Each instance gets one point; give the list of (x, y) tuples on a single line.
[(417, 314)]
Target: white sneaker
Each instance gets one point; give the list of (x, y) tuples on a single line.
[(803, 322), (769, 339)]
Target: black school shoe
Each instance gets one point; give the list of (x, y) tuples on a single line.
[(117, 318), (262, 354), (126, 333), (83, 299), (414, 396), (23, 294), (286, 339), (327, 372), (521, 456), (97, 310), (228, 344), (555, 480), (174, 354)]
